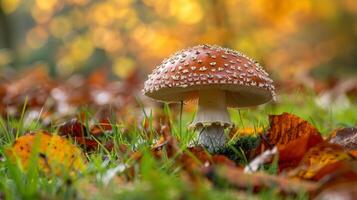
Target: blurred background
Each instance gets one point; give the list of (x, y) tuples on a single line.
[(309, 44), (290, 38)]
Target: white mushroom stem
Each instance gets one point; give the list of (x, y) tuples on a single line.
[(211, 118)]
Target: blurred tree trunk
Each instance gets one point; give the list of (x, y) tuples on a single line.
[(5, 31), (220, 19)]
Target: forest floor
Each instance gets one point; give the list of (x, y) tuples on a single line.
[(290, 149)]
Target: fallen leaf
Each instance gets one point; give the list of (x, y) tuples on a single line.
[(87, 144), (346, 137), (55, 153), (101, 128), (72, 128), (191, 159), (222, 160), (31, 87), (340, 171), (343, 191), (75, 130), (318, 157), (339, 181), (292, 135), (258, 181)]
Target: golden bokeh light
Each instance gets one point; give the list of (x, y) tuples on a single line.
[(9, 6), (36, 37), (123, 67), (186, 11), (280, 34), (61, 26)]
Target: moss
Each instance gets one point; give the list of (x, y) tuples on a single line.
[(239, 150)]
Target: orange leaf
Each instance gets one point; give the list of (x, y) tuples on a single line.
[(292, 135), (318, 157), (340, 171)]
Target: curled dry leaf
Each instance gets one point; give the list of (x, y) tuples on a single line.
[(346, 137), (318, 157), (55, 153), (293, 137)]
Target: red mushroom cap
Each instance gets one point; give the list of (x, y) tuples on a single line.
[(181, 76)]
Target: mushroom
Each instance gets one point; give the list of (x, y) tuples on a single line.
[(219, 78)]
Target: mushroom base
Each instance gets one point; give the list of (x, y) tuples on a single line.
[(212, 137)]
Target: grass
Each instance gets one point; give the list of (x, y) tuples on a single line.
[(154, 178)]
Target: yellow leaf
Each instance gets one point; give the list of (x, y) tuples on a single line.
[(56, 154)]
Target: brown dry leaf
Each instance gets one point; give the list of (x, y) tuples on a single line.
[(318, 157), (78, 132), (72, 128), (346, 137), (192, 159), (222, 160), (168, 141), (258, 181), (292, 135), (32, 86), (102, 127), (75, 130), (87, 144), (55, 153)]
